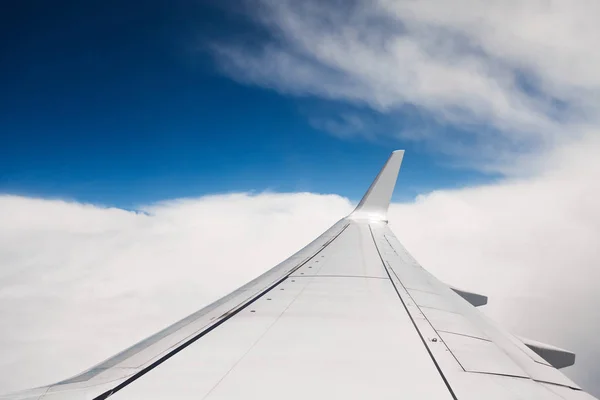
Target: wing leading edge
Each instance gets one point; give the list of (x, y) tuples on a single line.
[(350, 315)]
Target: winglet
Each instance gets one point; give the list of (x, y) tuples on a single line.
[(374, 205)]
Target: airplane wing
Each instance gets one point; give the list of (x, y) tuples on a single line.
[(351, 315)]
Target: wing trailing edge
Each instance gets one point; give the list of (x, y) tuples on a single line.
[(374, 204)]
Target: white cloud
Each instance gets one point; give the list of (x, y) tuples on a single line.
[(514, 77), (79, 282)]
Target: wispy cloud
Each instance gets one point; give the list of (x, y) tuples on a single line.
[(513, 77)]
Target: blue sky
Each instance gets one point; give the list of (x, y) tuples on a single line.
[(112, 103)]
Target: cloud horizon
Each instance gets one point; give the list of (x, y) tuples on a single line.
[(74, 274)]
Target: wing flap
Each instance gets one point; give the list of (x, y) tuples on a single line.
[(482, 356), (451, 322)]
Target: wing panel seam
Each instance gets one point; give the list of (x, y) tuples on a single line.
[(462, 334), (412, 319), (338, 276), (429, 322)]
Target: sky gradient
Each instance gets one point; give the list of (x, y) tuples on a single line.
[(116, 104)]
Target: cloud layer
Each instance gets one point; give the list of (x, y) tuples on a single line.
[(493, 80), (79, 283)]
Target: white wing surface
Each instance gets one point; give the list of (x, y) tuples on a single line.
[(352, 315)]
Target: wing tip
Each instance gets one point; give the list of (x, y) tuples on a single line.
[(374, 204)]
